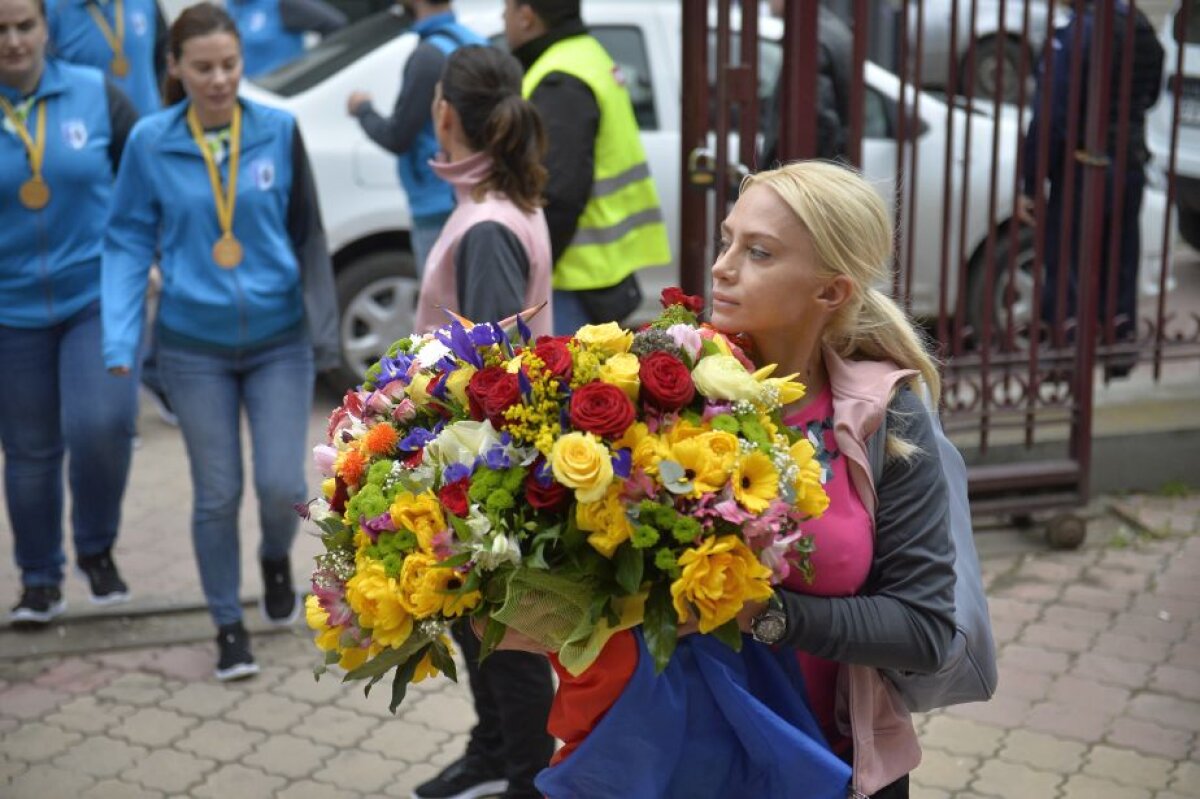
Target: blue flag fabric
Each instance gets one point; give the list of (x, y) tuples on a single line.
[(716, 724)]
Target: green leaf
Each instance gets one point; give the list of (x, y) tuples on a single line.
[(673, 477), (455, 561), (660, 626), (630, 565), (461, 530), (376, 667), (332, 656), (729, 634), (439, 655), (492, 635), (403, 677)]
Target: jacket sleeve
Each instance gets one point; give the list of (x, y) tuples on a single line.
[(162, 35), (121, 118), (397, 133), (491, 271), (310, 15), (312, 255), (129, 251), (904, 616), (571, 117)]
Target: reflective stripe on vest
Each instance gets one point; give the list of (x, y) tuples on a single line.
[(621, 229)]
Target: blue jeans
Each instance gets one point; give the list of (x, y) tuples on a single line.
[(208, 390), (423, 236), (57, 398), (569, 313)]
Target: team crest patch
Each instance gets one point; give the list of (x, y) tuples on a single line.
[(263, 173), (75, 134), (258, 21), (137, 21)]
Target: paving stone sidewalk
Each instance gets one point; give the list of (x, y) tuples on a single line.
[(1099, 695)]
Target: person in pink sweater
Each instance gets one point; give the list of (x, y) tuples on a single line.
[(492, 260)]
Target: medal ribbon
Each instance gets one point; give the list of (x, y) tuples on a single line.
[(224, 198), (115, 39), (35, 147)]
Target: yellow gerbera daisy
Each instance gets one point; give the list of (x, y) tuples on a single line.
[(755, 482)]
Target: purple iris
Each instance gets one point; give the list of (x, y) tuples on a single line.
[(622, 463), (417, 438), (496, 458), (544, 475), (457, 338), (455, 472), (523, 331), (380, 524), (396, 368)]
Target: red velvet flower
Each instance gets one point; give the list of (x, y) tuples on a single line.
[(675, 296), (453, 496), (552, 351), (501, 394), (666, 381), (549, 497), (602, 409), (478, 387)]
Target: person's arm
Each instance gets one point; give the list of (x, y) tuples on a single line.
[(904, 618), (129, 250), (162, 38), (398, 132), (310, 15), (491, 270), (307, 235), (121, 118), (571, 118)]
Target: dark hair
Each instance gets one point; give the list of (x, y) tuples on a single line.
[(553, 12), (483, 84), (201, 19)]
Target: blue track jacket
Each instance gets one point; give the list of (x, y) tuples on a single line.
[(266, 43), (75, 37), (163, 198), (50, 258)]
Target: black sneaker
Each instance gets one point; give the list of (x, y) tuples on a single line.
[(279, 605), (39, 604), (162, 405), (104, 582), (234, 661), (465, 778)]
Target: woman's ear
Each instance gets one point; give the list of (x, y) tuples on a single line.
[(172, 66), (836, 293)]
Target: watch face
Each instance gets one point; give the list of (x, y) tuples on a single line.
[(769, 627)]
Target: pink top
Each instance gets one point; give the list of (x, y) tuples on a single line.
[(844, 547)]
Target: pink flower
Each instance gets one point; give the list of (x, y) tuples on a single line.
[(333, 602), (404, 411), (379, 403), (687, 338), (324, 457), (441, 544)]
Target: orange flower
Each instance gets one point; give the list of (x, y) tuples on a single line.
[(350, 466), (381, 439)]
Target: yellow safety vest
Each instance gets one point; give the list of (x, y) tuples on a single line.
[(621, 228)]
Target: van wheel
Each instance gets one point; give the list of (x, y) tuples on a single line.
[(1018, 306), (996, 55), (377, 299)]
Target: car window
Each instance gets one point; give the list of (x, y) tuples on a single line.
[(334, 53), (877, 119), (627, 47)]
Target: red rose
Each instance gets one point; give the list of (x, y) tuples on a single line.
[(675, 296), (552, 351), (602, 408), (453, 496), (414, 460), (501, 394), (666, 382), (545, 497), (477, 389)]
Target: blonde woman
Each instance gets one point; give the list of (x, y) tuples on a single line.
[(883, 595)]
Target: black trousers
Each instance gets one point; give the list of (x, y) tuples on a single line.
[(513, 692), (897, 790)]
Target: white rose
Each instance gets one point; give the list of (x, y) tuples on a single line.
[(462, 442)]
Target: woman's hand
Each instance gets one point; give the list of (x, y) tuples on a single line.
[(744, 617), (119, 371), (512, 641)]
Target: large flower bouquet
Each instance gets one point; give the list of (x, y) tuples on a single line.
[(568, 488)]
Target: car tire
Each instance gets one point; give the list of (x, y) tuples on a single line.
[(993, 53), (1022, 282), (1189, 225), (377, 300)]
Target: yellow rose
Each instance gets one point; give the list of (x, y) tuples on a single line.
[(608, 338), (419, 513), (328, 487), (456, 383), (811, 499), (318, 621), (682, 431), (722, 377), (708, 458), (375, 598), (582, 462), (418, 389), (647, 448), (621, 370), (426, 588), (716, 579), (605, 521)]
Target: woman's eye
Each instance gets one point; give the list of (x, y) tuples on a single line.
[(759, 253), (722, 245)]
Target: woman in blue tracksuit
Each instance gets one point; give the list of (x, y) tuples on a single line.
[(62, 132), (222, 187)]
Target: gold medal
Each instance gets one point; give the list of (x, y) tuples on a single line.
[(34, 194), (227, 252), (114, 35), (119, 66)]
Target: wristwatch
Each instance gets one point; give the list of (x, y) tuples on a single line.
[(769, 626)]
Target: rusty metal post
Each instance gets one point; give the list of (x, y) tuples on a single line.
[(693, 198), (798, 130)]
